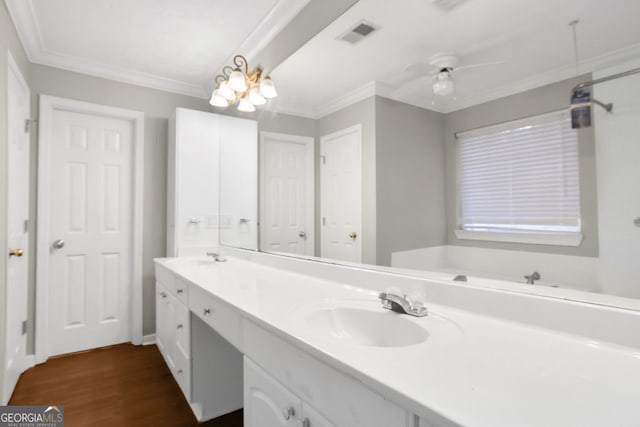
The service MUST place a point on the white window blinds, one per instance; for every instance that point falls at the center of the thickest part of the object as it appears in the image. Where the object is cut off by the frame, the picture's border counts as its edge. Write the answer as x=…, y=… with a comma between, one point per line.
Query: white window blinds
x=520, y=177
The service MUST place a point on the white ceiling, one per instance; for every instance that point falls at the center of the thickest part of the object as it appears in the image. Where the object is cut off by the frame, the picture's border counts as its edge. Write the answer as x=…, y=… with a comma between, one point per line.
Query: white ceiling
x=532, y=36
x=171, y=45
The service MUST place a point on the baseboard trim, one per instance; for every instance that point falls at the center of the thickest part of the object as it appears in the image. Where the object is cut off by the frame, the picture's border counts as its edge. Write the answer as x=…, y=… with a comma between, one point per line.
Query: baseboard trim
x=29, y=361
x=149, y=339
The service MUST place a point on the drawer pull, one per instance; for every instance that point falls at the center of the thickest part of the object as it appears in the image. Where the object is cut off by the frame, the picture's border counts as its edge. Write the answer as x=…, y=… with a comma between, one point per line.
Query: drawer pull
x=163, y=295
x=207, y=311
x=180, y=326
x=179, y=371
x=289, y=412
x=306, y=423
x=179, y=291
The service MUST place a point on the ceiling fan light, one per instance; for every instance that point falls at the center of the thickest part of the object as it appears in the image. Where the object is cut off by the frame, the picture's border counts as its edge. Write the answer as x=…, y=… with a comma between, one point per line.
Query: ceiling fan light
x=226, y=91
x=255, y=97
x=237, y=81
x=217, y=100
x=443, y=85
x=245, y=106
x=267, y=88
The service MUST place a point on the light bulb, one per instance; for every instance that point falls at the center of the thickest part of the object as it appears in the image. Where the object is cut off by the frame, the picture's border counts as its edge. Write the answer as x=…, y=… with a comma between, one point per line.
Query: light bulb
x=217, y=100
x=255, y=97
x=226, y=91
x=245, y=106
x=237, y=81
x=443, y=86
x=267, y=88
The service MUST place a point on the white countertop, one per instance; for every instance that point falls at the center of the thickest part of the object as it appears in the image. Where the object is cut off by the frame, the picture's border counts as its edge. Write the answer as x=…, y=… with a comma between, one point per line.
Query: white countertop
x=474, y=370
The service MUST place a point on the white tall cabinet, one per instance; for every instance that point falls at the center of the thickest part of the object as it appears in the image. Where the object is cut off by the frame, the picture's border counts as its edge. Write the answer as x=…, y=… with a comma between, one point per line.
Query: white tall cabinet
x=192, y=182
x=206, y=150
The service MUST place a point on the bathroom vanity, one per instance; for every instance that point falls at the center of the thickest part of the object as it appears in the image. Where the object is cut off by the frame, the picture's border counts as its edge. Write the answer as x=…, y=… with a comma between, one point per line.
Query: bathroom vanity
x=301, y=343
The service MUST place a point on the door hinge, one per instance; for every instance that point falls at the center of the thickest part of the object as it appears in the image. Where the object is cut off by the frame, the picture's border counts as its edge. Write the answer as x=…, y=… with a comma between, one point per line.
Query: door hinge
x=26, y=225
x=324, y=220
x=324, y=159
x=24, y=327
x=27, y=124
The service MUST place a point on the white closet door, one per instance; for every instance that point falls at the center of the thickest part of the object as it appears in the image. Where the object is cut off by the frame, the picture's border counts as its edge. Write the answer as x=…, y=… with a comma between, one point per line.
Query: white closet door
x=91, y=228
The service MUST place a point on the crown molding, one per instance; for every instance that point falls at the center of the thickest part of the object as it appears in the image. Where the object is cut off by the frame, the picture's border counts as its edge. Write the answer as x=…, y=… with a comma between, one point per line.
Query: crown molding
x=358, y=94
x=280, y=15
x=24, y=17
x=551, y=76
x=289, y=110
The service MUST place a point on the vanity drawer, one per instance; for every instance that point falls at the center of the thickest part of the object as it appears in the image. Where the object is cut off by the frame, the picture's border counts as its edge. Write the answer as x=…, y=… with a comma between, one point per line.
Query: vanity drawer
x=182, y=372
x=181, y=290
x=166, y=277
x=223, y=319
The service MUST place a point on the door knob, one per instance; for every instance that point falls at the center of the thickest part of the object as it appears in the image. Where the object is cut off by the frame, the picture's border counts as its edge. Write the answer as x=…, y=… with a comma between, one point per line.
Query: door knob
x=16, y=252
x=302, y=234
x=58, y=244
x=353, y=235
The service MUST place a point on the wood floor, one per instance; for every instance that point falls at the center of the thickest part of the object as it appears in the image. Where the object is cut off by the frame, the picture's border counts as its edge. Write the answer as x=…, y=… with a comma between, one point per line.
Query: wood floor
x=122, y=385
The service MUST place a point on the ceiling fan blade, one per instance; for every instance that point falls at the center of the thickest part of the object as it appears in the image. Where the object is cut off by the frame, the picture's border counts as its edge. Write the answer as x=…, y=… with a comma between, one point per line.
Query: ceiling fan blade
x=482, y=64
x=411, y=86
x=411, y=73
x=419, y=68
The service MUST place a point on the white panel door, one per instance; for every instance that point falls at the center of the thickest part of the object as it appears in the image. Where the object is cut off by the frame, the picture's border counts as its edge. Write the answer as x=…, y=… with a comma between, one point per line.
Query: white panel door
x=286, y=188
x=91, y=228
x=17, y=237
x=341, y=187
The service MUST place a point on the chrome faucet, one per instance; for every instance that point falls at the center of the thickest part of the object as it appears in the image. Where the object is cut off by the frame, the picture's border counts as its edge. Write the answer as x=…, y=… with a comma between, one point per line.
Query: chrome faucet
x=216, y=257
x=532, y=278
x=401, y=304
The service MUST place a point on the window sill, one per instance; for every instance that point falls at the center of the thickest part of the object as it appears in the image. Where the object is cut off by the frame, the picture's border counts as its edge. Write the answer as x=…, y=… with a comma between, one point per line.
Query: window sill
x=556, y=239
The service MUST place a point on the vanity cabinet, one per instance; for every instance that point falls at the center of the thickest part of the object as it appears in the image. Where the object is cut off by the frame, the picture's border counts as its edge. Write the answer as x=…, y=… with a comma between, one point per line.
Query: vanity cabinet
x=280, y=376
x=267, y=403
x=205, y=365
x=224, y=361
x=173, y=330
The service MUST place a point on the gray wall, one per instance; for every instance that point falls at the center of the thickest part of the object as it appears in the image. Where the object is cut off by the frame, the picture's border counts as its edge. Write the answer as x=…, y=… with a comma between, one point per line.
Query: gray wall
x=410, y=177
x=157, y=106
x=363, y=113
x=9, y=41
x=541, y=100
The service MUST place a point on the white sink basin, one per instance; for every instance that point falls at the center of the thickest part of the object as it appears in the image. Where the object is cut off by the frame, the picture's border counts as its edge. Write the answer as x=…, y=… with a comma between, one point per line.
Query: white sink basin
x=368, y=326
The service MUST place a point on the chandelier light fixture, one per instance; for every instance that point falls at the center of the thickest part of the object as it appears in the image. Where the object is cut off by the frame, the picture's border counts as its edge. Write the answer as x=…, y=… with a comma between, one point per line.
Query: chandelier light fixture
x=242, y=87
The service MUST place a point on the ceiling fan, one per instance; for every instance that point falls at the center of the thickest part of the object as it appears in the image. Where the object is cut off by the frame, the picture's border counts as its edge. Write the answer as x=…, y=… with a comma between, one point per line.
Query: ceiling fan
x=440, y=68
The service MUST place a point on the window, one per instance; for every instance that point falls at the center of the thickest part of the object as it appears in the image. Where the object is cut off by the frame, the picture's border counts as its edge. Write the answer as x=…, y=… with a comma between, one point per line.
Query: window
x=518, y=182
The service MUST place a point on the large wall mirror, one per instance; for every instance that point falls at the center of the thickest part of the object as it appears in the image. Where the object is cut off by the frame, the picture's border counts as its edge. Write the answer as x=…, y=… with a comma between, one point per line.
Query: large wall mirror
x=436, y=137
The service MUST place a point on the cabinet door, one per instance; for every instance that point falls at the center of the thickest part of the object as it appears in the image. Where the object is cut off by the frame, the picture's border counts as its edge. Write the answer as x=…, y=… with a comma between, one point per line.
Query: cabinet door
x=161, y=296
x=182, y=327
x=266, y=402
x=312, y=418
x=170, y=331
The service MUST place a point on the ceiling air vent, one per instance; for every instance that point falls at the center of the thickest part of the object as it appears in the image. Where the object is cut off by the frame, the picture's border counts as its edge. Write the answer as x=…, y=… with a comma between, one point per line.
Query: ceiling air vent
x=358, y=31
x=447, y=5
